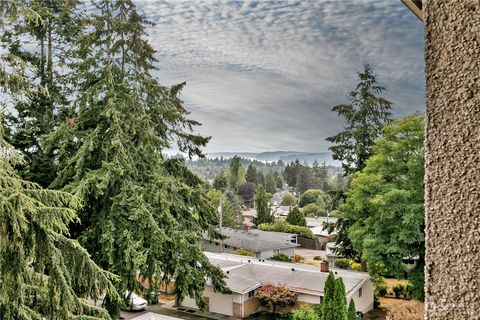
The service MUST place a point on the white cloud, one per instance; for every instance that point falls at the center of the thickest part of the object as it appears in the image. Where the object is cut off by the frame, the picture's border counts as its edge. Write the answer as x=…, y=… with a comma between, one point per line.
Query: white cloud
x=265, y=74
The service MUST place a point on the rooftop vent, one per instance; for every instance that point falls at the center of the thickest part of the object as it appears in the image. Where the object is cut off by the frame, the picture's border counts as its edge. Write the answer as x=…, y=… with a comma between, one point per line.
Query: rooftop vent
x=293, y=269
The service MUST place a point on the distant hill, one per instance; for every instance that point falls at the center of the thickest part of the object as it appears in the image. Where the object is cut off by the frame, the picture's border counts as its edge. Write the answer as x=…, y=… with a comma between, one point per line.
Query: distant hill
x=285, y=156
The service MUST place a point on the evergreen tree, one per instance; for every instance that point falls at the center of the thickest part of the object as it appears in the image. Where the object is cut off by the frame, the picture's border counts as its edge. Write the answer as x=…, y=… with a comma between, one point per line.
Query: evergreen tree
x=328, y=305
x=262, y=205
x=270, y=184
x=251, y=175
x=296, y=218
x=236, y=177
x=365, y=117
x=305, y=179
x=339, y=301
x=221, y=181
x=143, y=216
x=261, y=179
x=235, y=206
x=39, y=112
x=352, y=311
x=43, y=273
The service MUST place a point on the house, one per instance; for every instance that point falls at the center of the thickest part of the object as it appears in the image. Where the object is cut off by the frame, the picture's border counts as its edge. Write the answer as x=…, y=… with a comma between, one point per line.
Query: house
x=244, y=275
x=281, y=212
x=263, y=244
x=249, y=218
x=317, y=225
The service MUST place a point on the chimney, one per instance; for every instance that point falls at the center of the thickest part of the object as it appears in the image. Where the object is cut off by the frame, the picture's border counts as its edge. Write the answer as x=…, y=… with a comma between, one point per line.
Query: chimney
x=324, y=266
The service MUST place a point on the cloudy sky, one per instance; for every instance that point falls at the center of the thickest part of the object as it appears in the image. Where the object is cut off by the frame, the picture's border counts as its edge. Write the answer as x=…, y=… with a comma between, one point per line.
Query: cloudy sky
x=264, y=75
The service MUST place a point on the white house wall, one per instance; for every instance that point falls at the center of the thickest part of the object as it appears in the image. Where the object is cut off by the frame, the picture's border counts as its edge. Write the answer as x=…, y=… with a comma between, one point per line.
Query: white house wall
x=365, y=302
x=308, y=298
x=217, y=302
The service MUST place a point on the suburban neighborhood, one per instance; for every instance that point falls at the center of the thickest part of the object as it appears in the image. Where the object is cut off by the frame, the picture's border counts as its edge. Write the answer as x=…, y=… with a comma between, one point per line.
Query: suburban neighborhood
x=248, y=159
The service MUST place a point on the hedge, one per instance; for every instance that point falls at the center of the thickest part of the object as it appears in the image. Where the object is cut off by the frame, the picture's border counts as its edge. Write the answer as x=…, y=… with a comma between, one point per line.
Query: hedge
x=282, y=226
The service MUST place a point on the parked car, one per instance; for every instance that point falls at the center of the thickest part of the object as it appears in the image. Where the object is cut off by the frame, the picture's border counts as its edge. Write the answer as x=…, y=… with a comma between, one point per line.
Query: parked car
x=134, y=302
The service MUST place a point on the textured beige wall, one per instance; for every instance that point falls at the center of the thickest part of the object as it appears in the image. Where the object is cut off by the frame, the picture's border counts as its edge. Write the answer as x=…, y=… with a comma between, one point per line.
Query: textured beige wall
x=452, y=53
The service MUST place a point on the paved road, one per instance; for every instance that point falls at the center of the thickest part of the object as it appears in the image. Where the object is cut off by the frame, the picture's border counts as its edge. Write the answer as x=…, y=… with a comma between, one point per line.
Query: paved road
x=155, y=312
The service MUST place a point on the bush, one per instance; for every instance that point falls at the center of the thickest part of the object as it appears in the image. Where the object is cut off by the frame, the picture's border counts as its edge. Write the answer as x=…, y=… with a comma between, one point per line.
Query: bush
x=318, y=310
x=381, y=289
x=398, y=290
x=407, y=291
x=288, y=199
x=283, y=226
x=356, y=266
x=297, y=258
x=342, y=263
x=317, y=258
x=281, y=257
x=304, y=313
x=244, y=252
x=310, y=196
x=314, y=209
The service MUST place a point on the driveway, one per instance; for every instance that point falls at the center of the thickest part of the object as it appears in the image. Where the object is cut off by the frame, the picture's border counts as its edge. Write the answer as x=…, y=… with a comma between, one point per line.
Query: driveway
x=309, y=254
x=160, y=312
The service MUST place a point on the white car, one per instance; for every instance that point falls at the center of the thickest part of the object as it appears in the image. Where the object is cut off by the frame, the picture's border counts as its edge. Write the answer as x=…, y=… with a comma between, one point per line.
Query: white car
x=135, y=302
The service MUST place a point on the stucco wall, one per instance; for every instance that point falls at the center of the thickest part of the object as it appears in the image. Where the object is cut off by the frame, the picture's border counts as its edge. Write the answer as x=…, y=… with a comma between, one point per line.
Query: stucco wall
x=452, y=200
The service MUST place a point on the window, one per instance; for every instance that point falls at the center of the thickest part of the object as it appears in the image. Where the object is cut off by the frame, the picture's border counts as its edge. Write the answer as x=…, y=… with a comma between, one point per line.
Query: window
x=226, y=246
x=360, y=292
x=251, y=294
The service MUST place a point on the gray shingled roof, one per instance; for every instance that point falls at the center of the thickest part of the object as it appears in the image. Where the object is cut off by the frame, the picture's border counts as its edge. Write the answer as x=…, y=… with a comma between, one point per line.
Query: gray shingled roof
x=256, y=240
x=243, y=276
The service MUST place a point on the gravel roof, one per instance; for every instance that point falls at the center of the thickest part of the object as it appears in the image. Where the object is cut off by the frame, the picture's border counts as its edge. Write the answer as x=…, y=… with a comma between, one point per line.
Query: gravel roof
x=243, y=276
x=256, y=240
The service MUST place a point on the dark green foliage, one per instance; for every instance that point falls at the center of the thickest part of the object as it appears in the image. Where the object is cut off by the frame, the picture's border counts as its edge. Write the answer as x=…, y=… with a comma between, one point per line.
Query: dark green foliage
x=221, y=181
x=318, y=310
x=251, y=175
x=385, y=202
x=295, y=217
x=42, y=109
x=328, y=305
x=340, y=301
x=381, y=289
x=318, y=258
x=364, y=117
x=270, y=184
x=305, y=312
x=352, y=311
x=246, y=191
x=281, y=257
x=283, y=226
x=342, y=263
x=304, y=179
x=264, y=214
x=314, y=210
x=43, y=273
x=311, y=196
x=237, y=174
x=291, y=172
x=398, y=289
x=143, y=216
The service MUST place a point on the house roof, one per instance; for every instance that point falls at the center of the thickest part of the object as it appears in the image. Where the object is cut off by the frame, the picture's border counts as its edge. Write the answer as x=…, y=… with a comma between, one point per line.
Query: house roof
x=316, y=225
x=415, y=6
x=255, y=240
x=244, y=274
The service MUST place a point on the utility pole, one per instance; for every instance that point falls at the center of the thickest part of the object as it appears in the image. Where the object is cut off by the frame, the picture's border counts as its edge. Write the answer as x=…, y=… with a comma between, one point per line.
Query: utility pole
x=220, y=217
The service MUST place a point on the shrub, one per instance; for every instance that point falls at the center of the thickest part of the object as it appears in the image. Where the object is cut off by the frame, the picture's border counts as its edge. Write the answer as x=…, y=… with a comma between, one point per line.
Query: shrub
x=317, y=258
x=304, y=313
x=281, y=257
x=283, y=226
x=356, y=266
x=274, y=297
x=318, y=310
x=244, y=252
x=381, y=289
x=342, y=263
x=288, y=199
x=398, y=290
x=310, y=196
x=407, y=291
x=297, y=218
x=297, y=258
x=314, y=209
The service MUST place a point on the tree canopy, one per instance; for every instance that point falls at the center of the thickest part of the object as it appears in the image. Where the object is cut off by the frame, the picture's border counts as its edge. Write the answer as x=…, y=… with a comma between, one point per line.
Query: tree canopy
x=262, y=204
x=385, y=203
x=296, y=217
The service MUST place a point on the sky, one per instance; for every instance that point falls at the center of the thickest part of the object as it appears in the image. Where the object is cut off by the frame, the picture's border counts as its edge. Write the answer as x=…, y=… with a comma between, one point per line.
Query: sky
x=264, y=75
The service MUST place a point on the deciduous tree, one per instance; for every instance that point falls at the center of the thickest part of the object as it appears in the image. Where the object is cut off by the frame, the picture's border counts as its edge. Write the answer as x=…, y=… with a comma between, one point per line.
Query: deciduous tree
x=274, y=297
